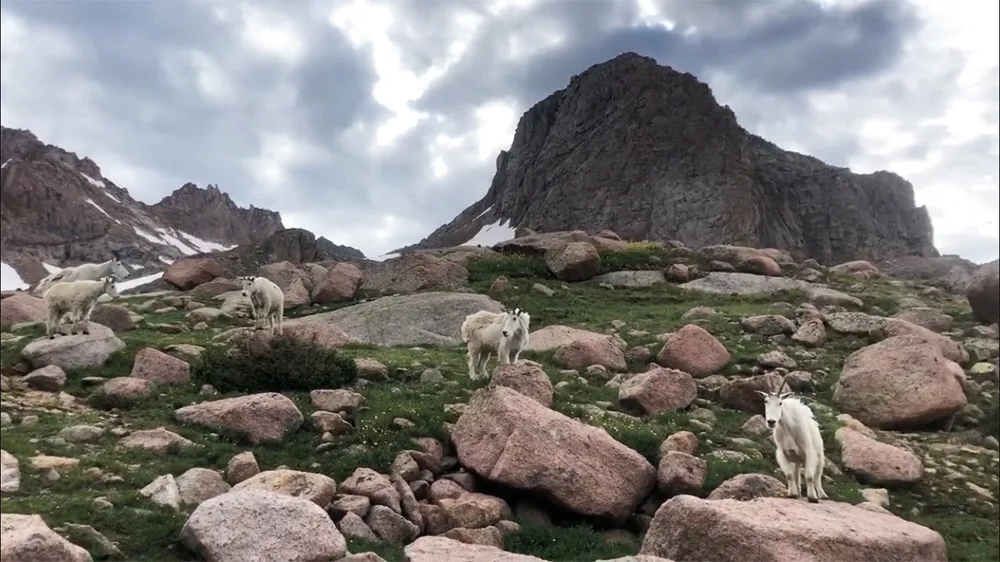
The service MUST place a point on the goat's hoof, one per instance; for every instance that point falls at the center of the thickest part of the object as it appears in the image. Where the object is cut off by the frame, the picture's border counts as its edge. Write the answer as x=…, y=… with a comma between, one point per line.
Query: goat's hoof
x=86, y=332
x=52, y=337
x=813, y=500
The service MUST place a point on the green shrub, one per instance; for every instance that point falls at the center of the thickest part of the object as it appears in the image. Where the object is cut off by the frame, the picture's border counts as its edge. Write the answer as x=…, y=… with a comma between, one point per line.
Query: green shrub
x=638, y=256
x=287, y=364
x=510, y=265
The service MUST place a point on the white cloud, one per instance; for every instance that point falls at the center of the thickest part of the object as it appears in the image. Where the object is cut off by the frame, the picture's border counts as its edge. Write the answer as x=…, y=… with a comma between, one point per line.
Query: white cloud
x=947, y=145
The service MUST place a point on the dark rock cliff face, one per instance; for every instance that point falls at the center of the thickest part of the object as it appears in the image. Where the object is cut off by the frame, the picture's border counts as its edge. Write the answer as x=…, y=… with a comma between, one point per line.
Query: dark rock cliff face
x=647, y=152
x=210, y=214
x=295, y=245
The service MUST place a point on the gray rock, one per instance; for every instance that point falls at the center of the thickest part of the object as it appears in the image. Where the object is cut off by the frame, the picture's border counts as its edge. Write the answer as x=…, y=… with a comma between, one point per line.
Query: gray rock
x=723, y=282
x=433, y=318
x=634, y=279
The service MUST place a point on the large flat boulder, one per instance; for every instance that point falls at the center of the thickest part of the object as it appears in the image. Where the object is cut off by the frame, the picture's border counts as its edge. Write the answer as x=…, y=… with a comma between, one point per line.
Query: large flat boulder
x=511, y=439
x=71, y=352
x=726, y=282
x=433, y=318
x=690, y=529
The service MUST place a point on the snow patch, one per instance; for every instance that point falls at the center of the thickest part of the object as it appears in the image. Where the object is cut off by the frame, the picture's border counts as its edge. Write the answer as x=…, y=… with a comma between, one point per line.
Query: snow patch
x=492, y=234
x=192, y=246
x=384, y=257
x=136, y=266
x=172, y=240
x=9, y=278
x=484, y=212
x=5, y=163
x=138, y=281
x=148, y=236
x=51, y=268
x=98, y=207
x=92, y=181
x=167, y=261
x=204, y=245
x=112, y=197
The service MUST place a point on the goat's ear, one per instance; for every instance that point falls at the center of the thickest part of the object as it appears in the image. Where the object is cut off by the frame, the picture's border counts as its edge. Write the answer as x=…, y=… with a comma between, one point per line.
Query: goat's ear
x=784, y=395
x=762, y=393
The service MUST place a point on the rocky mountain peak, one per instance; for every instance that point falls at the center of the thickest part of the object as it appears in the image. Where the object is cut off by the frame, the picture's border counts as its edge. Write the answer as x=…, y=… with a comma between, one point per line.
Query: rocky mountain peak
x=646, y=151
x=211, y=214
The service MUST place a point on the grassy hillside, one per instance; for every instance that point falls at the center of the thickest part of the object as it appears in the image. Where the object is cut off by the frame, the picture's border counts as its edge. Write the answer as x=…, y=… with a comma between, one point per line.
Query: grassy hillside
x=944, y=500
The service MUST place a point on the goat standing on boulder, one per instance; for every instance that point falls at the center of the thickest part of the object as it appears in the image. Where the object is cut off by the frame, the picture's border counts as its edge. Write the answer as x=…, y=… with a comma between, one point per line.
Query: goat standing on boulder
x=267, y=302
x=798, y=442
x=505, y=333
x=76, y=298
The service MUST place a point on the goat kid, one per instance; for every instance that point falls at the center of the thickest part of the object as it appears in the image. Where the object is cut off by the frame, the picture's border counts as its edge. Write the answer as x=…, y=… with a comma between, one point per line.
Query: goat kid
x=798, y=443
x=76, y=299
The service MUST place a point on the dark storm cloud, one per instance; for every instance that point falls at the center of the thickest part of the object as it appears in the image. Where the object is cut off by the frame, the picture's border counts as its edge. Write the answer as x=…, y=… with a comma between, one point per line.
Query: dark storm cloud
x=773, y=51
x=798, y=45
x=129, y=47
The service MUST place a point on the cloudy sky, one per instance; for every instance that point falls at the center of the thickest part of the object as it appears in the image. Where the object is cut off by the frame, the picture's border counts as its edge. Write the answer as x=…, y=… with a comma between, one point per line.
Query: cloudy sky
x=373, y=123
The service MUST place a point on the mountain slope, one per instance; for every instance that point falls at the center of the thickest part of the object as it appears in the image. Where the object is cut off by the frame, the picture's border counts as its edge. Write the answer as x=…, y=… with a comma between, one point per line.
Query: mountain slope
x=197, y=211
x=57, y=209
x=647, y=152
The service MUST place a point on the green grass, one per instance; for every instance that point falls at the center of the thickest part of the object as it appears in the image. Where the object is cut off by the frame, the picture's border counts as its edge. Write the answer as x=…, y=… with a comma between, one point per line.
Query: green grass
x=146, y=531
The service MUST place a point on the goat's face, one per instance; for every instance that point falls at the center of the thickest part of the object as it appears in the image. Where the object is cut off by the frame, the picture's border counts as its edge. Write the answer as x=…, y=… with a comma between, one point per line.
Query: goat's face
x=118, y=269
x=111, y=287
x=247, y=282
x=513, y=321
x=772, y=406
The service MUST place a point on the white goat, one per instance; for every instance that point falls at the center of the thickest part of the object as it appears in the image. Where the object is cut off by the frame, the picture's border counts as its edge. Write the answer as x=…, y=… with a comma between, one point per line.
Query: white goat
x=267, y=302
x=798, y=442
x=77, y=299
x=90, y=271
x=505, y=333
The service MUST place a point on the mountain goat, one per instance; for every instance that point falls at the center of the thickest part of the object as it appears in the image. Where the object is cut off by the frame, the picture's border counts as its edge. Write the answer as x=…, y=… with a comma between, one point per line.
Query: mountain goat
x=77, y=299
x=798, y=442
x=505, y=333
x=89, y=271
x=267, y=302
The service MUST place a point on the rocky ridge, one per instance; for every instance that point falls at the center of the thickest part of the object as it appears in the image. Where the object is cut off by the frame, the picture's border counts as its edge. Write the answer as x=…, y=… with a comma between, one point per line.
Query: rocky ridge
x=646, y=151
x=58, y=209
x=636, y=415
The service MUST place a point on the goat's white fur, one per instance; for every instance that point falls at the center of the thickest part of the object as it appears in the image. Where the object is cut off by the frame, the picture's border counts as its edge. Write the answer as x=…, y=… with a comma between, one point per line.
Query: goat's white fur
x=504, y=333
x=798, y=443
x=85, y=271
x=77, y=299
x=267, y=302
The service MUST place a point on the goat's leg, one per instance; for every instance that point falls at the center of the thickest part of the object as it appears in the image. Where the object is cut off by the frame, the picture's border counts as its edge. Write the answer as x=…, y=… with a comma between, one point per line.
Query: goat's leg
x=797, y=485
x=503, y=352
x=819, y=480
x=810, y=473
x=52, y=323
x=484, y=359
x=86, y=319
x=473, y=352
x=74, y=319
x=281, y=319
x=791, y=473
